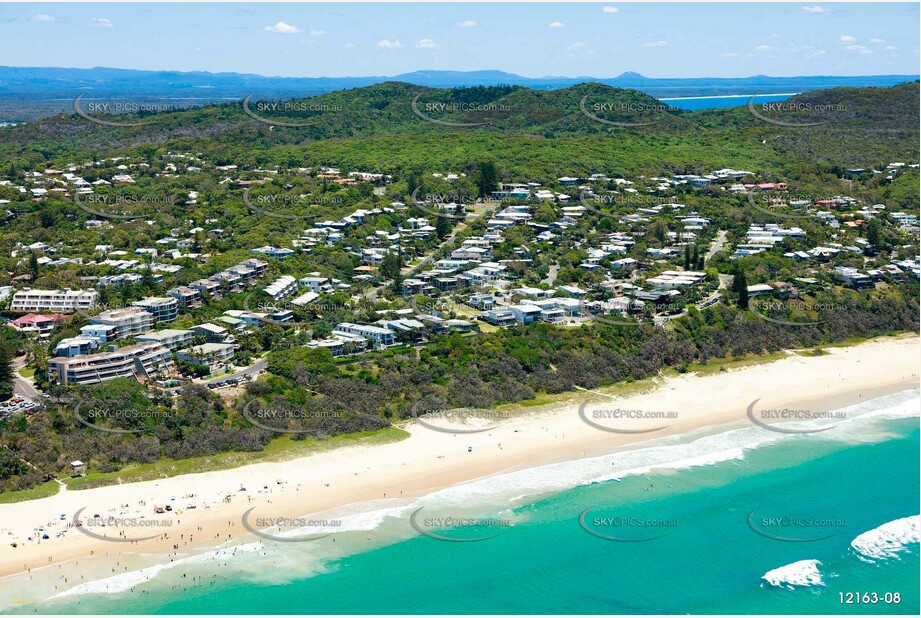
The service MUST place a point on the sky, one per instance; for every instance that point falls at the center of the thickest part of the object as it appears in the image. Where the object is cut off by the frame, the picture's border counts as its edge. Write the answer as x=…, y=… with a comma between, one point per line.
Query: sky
x=534, y=40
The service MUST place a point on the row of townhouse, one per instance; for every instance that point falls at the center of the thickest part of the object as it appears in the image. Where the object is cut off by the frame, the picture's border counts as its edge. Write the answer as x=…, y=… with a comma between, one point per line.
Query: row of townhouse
x=349, y=338
x=529, y=310
x=233, y=279
x=281, y=288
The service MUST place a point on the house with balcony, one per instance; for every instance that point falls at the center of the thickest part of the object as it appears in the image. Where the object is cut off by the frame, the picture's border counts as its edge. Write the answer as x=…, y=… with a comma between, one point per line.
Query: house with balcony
x=162, y=308
x=144, y=361
x=128, y=322
x=379, y=337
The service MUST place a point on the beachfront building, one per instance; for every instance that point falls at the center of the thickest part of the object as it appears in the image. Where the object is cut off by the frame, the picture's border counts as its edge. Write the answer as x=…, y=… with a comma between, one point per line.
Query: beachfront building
x=143, y=361
x=61, y=301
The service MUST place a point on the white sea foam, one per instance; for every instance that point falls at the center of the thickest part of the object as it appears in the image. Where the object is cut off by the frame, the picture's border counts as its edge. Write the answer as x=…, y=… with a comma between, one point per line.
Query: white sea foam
x=127, y=581
x=801, y=573
x=888, y=540
x=703, y=447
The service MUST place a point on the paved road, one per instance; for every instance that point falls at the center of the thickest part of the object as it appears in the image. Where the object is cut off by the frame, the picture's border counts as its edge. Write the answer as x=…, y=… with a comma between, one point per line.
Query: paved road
x=716, y=245
x=409, y=271
x=551, y=276
x=253, y=370
x=461, y=226
x=21, y=386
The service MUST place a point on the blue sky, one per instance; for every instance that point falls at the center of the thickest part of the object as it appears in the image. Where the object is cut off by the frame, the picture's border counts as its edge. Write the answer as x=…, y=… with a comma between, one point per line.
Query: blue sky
x=598, y=39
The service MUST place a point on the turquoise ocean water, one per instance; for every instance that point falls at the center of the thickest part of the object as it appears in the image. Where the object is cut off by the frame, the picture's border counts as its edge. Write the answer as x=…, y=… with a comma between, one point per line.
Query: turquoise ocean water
x=723, y=101
x=699, y=521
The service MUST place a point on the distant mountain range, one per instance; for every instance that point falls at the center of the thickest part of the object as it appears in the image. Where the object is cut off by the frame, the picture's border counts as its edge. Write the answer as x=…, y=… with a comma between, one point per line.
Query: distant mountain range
x=30, y=81
x=50, y=89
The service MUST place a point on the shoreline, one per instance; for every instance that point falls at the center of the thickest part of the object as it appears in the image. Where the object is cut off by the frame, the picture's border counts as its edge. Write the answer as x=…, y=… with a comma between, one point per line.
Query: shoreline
x=428, y=461
x=732, y=96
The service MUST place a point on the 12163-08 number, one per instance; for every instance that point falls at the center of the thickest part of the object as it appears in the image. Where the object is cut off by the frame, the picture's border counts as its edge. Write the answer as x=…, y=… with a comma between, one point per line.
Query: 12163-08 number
x=869, y=598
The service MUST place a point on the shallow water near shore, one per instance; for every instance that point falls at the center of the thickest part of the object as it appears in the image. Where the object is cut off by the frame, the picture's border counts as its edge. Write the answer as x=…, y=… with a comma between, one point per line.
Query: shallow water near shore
x=694, y=518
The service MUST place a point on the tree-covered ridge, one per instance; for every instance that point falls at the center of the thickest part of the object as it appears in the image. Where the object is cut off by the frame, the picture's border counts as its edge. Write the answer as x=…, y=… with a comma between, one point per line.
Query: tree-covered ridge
x=864, y=125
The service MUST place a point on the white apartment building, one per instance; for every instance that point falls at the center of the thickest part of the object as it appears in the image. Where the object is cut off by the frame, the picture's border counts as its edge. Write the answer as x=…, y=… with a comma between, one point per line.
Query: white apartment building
x=380, y=337
x=59, y=301
x=162, y=308
x=129, y=322
x=142, y=361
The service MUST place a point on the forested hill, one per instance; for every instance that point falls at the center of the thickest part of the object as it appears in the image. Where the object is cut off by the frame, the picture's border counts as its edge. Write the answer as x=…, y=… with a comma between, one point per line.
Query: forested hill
x=384, y=127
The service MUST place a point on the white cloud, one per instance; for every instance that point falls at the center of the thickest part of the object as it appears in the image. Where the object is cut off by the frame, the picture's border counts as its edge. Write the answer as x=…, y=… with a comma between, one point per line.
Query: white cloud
x=281, y=28
x=659, y=43
x=467, y=24
x=349, y=45
x=43, y=17
x=860, y=49
x=427, y=44
x=764, y=48
x=557, y=24
x=609, y=9
x=317, y=32
x=388, y=44
x=846, y=38
x=890, y=48
x=576, y=45
x=877, y=41
x=817, y=54
x=816, y=9
x=99, y=22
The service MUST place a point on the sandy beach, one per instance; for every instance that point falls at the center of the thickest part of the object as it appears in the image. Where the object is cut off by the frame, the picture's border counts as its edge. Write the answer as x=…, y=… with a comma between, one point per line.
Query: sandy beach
x=428, y=460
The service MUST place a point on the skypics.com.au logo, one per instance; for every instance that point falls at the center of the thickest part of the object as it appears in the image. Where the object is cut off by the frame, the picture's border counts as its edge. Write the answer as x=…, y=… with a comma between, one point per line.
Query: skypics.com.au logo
x=289, y=207
x=784, y=205
x=117, y=419
x=795, y=113
x=604, y=416
x=625, y=113
x=794, y=528
x=468, y=525
x=283, y=529
x=449, y=205
x=629, y=202
x=114, y=108
x=772, y=418
x=460, y=420
x=293, y=419
x=458, y=114
x=623, y=529
x=123, y=205
x=287, y=113
x=120, y=529
x=780, y=311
